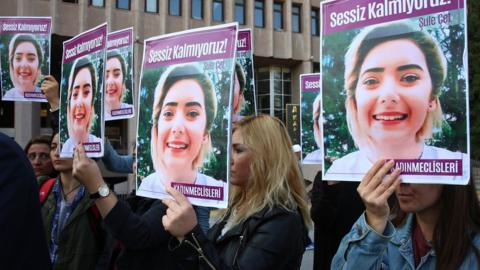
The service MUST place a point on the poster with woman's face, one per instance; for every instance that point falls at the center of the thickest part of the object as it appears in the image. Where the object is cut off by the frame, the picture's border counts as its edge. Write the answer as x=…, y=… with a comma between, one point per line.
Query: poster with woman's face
x=119, y=78
x=395, y=86
x=244, y=103
x=183, y=135
x=312, y=143
x=81, y=92
x=24, y=57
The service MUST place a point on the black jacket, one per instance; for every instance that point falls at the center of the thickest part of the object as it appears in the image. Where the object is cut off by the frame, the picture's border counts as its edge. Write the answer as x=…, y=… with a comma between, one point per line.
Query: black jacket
x=269, y=239
x=334, y=210
x=143, y=236
x=22, y=238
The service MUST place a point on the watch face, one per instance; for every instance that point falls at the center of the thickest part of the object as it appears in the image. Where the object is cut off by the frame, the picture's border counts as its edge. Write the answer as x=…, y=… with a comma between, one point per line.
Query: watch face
x=104, y=191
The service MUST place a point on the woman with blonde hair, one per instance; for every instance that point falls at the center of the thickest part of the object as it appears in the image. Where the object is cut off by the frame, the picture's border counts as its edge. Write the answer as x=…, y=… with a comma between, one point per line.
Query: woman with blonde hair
x=265, y=226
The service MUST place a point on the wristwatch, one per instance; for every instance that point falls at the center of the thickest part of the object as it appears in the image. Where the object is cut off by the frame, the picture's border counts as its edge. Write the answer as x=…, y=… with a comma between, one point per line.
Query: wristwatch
x=103, y=191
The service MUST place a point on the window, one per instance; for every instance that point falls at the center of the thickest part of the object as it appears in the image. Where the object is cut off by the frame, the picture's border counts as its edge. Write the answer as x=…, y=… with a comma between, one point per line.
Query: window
x=175, y=7
x=278, y=16
x=197, y=9
x=217, y=10
x=123, y=4
x=259, y=13
x=315, y=22
x=151, y=6
x=274, y=90
x=97, y=3
x=70, y=1
x=296, y=25
x=240, y=11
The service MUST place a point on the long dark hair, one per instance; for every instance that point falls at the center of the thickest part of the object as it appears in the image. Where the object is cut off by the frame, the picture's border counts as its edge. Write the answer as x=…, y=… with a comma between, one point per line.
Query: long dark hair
x=457, y=225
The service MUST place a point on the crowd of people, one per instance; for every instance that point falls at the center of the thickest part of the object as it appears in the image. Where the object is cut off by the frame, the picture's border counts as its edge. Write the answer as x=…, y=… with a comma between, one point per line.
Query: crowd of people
x=61, y=213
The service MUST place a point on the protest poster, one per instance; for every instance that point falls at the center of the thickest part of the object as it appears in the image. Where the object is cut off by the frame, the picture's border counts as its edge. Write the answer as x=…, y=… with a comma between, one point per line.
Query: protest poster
x=244, y=86
x=119, y=80
x=81, y=92
x=395, y=86
x=184, y=127
x=24, y=57
x=310, y=96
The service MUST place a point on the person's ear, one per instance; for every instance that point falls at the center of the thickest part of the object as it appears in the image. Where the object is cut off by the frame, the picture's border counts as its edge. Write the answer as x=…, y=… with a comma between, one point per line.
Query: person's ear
x=432, y=104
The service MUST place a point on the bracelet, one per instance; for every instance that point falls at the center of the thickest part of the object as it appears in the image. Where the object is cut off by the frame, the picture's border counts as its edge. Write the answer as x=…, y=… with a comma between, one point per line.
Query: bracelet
x=54, y=110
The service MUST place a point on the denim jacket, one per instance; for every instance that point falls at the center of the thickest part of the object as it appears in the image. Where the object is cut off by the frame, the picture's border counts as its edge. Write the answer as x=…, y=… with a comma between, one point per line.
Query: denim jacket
x=363, y=248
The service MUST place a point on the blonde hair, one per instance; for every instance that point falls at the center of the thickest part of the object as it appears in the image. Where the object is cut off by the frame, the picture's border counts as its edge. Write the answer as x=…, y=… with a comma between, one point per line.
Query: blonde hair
x=275, y=178
x=375, y=35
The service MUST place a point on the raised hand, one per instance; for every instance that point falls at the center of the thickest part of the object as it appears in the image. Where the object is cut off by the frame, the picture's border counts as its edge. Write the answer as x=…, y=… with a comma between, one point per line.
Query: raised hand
x=375, y=189
x=180, y=218
x=50, y=89
x=86, y=170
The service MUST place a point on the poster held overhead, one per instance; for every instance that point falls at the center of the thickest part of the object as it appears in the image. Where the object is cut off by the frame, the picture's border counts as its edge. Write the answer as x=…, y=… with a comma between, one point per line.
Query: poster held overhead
x=399, y=92
x=119, y=76
x=312, y=143
x=24, y=57
x=184, y=127
x=244, y=102
x=81, y=92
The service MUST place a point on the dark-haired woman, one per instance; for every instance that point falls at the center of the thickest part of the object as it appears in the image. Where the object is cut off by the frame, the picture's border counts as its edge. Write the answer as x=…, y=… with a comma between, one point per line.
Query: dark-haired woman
x=436, y=226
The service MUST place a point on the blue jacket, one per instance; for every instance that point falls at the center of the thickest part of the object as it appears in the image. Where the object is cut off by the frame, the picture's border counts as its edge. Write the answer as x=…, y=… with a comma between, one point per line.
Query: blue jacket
x=363, y=248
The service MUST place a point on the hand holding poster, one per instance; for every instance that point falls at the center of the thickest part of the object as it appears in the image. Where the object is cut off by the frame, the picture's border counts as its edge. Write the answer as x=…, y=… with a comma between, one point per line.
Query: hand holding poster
x=244, y=86
x=183, y=134
x=81, y=92
x=119, y=75
x=25, y=57
x=406, y=87
x=312, y=143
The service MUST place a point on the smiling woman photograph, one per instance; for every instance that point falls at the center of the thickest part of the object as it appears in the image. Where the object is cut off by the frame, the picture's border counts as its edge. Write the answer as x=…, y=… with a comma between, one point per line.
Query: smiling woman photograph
x=392, y=101
x=115, y=85
x=25, y=61
x=184, y=108
x=82, y=86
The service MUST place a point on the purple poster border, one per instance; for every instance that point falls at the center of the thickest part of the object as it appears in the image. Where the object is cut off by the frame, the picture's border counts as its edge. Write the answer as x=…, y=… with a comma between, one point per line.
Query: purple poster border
x=88, y=42
x=119, y=39
x=25, y=25
x=310, y=82
x=218, y=42
x=342, y=15
x=244, y=40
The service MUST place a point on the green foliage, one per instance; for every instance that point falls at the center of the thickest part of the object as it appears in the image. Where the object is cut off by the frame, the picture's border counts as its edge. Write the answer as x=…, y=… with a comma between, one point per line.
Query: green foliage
x=127, y=53
x=308, y=139
x=474, y=76
x=245, y=60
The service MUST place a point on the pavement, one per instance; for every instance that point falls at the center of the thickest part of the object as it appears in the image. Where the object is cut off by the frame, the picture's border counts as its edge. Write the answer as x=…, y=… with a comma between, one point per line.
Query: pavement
x=307, y=261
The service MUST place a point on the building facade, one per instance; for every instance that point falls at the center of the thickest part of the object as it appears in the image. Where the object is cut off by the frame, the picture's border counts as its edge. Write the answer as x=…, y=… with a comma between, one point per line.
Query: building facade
x=285, y=35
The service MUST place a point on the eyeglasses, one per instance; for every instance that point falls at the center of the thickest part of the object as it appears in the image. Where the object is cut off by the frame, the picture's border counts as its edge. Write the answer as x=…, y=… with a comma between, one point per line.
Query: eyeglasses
x=41, y=156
